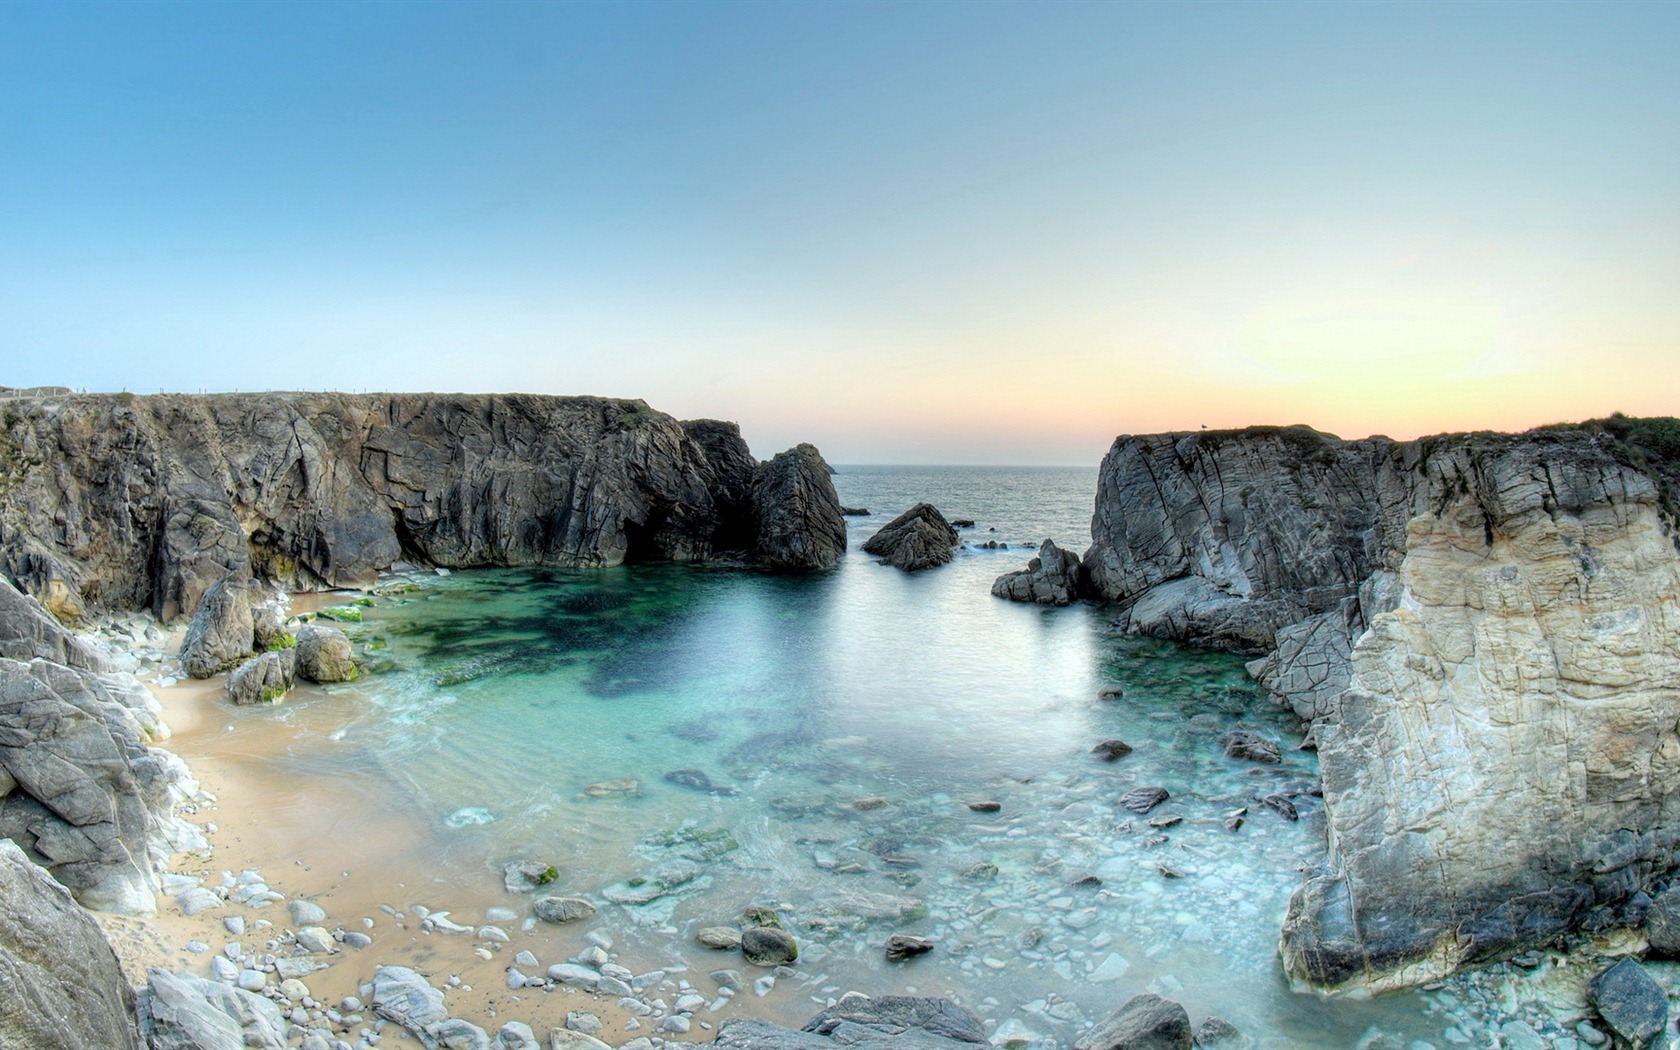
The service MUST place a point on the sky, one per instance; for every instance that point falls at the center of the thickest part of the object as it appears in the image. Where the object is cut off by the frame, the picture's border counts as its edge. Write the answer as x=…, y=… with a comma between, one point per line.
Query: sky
x=906, y=232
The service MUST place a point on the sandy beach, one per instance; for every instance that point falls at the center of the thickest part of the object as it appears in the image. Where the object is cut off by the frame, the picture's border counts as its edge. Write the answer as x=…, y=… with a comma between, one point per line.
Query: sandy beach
x=343, y=845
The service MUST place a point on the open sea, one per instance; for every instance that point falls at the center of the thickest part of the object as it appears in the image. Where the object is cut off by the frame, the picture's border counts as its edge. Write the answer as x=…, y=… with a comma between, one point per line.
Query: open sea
x=536, y=715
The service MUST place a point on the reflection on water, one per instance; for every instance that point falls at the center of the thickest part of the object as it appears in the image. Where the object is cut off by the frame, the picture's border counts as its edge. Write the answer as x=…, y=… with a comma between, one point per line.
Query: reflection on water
x=845, y=723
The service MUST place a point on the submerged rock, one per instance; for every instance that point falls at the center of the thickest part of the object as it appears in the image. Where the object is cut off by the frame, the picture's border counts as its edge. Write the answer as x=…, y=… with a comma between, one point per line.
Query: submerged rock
x=901, y=946
x=697, y=780
x=888, y=1022
x=920, y=538
x=1145, y=1022
x=1250, y=746
x=1143, y=799
x=768, y=946
x=1051, y=578
x=1110, y=750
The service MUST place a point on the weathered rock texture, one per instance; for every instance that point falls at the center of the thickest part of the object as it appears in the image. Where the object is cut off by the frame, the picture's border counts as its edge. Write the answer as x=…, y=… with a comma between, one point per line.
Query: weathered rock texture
x=797, y=512
x=80, y=790
x=1052, y=578
x=1485, y=632
x=148, y=501
x=181, y=1011
x=920, y=538
x=60, y=985
x=887, y=1022
x=27, y=632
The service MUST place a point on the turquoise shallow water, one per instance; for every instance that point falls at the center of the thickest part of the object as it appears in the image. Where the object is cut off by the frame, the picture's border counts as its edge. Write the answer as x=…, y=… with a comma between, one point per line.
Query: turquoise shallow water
x=511, y=693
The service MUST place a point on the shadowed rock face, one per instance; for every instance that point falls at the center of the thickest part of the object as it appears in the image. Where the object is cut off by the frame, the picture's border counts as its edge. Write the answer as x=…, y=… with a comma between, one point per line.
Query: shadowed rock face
x=887, y=1022
x=148, y=501
x=797, y=512
x=1484, y=631
x=63, y=987
x=920, y=538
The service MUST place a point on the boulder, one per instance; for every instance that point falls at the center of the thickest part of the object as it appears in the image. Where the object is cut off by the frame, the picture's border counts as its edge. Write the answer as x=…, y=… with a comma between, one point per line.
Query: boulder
x=181, y=1011
x=887, y=1022
x=1249, y=746
x=920, y=538
x=264, y=680
x=562, y=909
x=719, y=938
x=62, y=986
x=1145, y=1022
x=797, y=514
x=403, y=996
x=1051, y=578
x=768, y=946
x=223, y=630
x=1633, y=1004
x=324, y=654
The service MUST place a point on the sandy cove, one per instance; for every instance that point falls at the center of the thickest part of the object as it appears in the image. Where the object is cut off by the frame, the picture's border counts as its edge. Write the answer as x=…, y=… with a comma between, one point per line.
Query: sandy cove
x=360, y=859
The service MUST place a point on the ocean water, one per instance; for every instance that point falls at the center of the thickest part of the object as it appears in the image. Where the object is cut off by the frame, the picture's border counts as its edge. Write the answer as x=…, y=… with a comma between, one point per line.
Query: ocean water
x=535, y=715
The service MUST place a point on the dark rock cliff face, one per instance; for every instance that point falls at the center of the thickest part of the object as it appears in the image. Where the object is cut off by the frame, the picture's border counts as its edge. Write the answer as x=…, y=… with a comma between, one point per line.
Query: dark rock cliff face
x=147, y=501
x=1484, y=631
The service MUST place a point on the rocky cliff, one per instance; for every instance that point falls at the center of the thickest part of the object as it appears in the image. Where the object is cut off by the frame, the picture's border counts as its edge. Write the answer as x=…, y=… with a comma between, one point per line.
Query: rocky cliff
x=145, y=502
x=1484, y=631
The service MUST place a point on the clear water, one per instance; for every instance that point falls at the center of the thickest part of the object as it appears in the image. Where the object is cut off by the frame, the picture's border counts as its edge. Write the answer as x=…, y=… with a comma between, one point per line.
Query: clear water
x=511, y=693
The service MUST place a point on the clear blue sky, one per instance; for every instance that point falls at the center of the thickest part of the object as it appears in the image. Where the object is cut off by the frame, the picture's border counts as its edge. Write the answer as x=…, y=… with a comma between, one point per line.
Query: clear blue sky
x=909, y=232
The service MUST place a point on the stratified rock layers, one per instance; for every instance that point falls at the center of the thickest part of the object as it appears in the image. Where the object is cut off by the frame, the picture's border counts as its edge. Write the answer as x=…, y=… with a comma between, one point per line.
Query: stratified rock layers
x=146, y=502
x=1484, y=631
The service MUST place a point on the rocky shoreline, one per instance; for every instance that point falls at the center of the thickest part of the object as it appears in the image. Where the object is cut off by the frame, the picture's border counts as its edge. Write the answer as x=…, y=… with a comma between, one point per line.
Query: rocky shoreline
x=1439, y=613
x=1480, y=631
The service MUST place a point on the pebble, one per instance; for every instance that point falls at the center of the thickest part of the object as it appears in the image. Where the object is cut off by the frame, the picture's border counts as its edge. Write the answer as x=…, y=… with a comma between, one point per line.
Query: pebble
x=525, y=958
x=234, y=924
x=252, y=980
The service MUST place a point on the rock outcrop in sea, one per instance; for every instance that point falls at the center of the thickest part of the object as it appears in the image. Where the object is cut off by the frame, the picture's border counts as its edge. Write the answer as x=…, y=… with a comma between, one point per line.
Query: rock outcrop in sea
x=920, y=538
x=126, y=501
x=1051, y=578
x=1483, y=631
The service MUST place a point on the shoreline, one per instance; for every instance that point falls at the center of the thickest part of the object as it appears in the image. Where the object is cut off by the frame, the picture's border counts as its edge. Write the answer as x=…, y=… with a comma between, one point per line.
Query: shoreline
x=258, y=822
x=258, y=819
